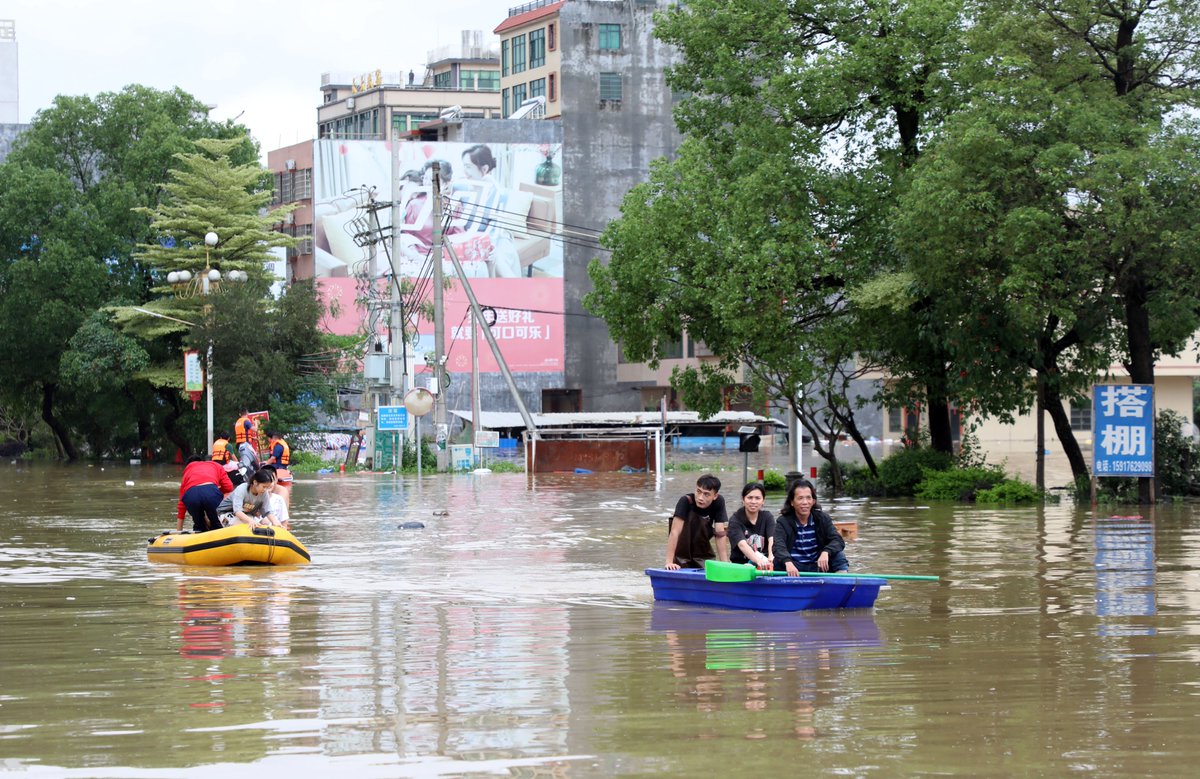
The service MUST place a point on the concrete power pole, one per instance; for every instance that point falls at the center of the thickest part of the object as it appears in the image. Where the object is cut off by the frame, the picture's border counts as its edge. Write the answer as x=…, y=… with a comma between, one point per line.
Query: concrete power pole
x=399, y=365
x=439, y=325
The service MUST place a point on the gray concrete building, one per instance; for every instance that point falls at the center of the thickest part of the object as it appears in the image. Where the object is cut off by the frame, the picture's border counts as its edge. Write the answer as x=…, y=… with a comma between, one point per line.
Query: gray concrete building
x=616, y=117
x=9, y=74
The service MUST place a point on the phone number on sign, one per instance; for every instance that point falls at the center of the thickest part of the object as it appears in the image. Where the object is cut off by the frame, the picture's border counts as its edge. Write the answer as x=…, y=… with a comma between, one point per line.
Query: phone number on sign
x=1124, y=467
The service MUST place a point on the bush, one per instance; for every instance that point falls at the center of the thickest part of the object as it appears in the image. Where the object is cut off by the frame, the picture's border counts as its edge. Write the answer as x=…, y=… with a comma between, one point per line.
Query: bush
x=505, y=466
x=309, y=462
x=958, y=484
x=1009, y=491
x=774, y=481
x=903, y=471
x=857, y=480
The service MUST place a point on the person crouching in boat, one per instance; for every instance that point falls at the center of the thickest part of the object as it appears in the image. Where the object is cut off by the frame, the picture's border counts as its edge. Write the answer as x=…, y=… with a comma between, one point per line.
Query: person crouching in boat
x=752, y=530
x=205, y=485
x=805, y=538
x=249, y=503
x=279, y=506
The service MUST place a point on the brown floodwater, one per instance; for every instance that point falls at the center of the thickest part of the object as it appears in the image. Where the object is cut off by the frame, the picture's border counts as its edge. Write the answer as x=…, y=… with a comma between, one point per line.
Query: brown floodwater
x=517, y=635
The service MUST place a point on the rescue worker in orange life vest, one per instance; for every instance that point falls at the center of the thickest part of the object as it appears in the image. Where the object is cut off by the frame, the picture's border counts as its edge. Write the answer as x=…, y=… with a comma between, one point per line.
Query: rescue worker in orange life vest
x=280, y=456
x=242, y=428
x=222, y=453
x=220, y=450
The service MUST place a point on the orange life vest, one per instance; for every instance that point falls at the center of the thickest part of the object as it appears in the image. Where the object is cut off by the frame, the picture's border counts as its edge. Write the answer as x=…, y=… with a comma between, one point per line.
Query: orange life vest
x=239, y=429
x=220, y=451
x=286, y=457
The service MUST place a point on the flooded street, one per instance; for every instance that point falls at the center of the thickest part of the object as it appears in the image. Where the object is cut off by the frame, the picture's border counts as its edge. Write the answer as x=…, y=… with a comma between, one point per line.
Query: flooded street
x=516, y=635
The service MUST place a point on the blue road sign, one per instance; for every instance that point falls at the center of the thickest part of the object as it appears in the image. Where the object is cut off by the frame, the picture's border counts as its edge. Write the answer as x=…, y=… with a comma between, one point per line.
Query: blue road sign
x=1123, y=430
x=393, y=418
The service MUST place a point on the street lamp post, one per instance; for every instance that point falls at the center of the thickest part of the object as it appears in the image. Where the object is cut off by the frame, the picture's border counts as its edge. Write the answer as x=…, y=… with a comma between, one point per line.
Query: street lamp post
x=187, y=286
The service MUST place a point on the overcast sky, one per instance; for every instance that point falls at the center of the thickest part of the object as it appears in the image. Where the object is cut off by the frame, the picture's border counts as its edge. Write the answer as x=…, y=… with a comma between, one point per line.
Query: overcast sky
x=261, y=57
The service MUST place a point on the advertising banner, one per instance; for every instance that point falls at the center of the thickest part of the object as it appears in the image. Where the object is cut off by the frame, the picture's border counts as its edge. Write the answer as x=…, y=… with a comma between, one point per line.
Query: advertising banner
x=504, y=203
x=504, y=200
x=1123, y=430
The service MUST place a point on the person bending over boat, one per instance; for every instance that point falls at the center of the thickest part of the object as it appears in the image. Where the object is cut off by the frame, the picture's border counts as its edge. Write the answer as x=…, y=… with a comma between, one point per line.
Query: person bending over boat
x=249, y=503
x=698, y=518
x=751, y=530
x=248, y=461
x=805, y=538
x=205, y=484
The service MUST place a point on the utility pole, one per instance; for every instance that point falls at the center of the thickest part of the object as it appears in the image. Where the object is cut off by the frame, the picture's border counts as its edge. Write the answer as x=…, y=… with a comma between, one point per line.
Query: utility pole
x=398, y=357
x=475, y=395
x=491, y=339
x=439, y=324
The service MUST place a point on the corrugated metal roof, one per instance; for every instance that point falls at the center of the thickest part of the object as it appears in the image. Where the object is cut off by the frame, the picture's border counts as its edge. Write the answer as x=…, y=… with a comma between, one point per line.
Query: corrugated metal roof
x=498, y=420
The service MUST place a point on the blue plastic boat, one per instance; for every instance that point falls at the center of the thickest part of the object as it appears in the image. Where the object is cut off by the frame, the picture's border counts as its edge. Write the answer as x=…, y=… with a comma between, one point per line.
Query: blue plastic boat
x=766, y=593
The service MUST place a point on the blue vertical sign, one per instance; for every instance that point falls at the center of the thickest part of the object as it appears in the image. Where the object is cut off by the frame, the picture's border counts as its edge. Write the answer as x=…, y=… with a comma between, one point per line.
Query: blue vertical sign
x=1123, y=430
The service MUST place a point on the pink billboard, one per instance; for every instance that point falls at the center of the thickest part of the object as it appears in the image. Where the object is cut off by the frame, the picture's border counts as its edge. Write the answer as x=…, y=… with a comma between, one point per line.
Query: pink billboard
x=526, y=317
x=501, y=204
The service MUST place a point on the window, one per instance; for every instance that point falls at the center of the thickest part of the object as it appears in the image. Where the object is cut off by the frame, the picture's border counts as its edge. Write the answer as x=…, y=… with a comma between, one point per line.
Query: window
x=895, y=418
x=482, y=80
x=553, y=42
x=1081, y=417
x=537, y=88
x=303, y=184
x=518, y=96
x=518, y=54
x=504, y=112
x=442, y=80
x=537, y=48
x=553, y=87
x=610, y=87
x=504, y=58
x=610, y=37
x=305, y=234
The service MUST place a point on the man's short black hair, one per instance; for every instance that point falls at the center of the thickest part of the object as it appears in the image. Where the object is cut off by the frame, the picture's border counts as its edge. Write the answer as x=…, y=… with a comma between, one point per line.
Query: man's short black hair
x=709, y=482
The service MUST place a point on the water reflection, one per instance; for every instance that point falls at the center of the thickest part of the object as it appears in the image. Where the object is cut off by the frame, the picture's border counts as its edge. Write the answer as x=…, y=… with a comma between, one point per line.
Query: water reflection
x=1125, y=570
x=762, y=661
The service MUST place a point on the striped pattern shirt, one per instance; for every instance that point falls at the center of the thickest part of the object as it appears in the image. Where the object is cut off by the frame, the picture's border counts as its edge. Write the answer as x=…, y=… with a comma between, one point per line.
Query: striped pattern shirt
x=804, y=550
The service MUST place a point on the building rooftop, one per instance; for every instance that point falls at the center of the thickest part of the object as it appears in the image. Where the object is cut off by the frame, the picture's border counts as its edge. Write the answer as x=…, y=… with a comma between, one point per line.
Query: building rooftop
x=530, y=12
x=499, y=420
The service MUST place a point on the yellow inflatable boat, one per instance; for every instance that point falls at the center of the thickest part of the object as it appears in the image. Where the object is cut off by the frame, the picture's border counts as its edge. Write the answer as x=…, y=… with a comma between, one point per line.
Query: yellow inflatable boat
x=236, y=545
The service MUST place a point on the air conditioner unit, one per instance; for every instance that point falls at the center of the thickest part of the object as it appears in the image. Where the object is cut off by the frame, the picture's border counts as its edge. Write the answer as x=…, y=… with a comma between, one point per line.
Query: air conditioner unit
x=290, y=164
x=350, y=104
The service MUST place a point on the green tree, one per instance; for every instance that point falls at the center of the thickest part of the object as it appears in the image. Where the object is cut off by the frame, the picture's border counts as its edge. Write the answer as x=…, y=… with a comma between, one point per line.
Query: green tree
x=802, y=122
x=258, y=341
x=67, y=232
x=1058, y=208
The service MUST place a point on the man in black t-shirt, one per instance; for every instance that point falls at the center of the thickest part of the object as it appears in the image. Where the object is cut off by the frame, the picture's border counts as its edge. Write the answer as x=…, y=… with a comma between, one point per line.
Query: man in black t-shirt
x=698, y=518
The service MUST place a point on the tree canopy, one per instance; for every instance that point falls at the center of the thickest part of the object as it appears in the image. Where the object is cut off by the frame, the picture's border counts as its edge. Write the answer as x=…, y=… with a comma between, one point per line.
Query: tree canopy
x=99, y=197
x=991, y=202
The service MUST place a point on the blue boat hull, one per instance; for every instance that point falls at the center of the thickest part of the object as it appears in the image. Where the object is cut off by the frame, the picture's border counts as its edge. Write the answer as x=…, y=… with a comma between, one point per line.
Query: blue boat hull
x=766, y=593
